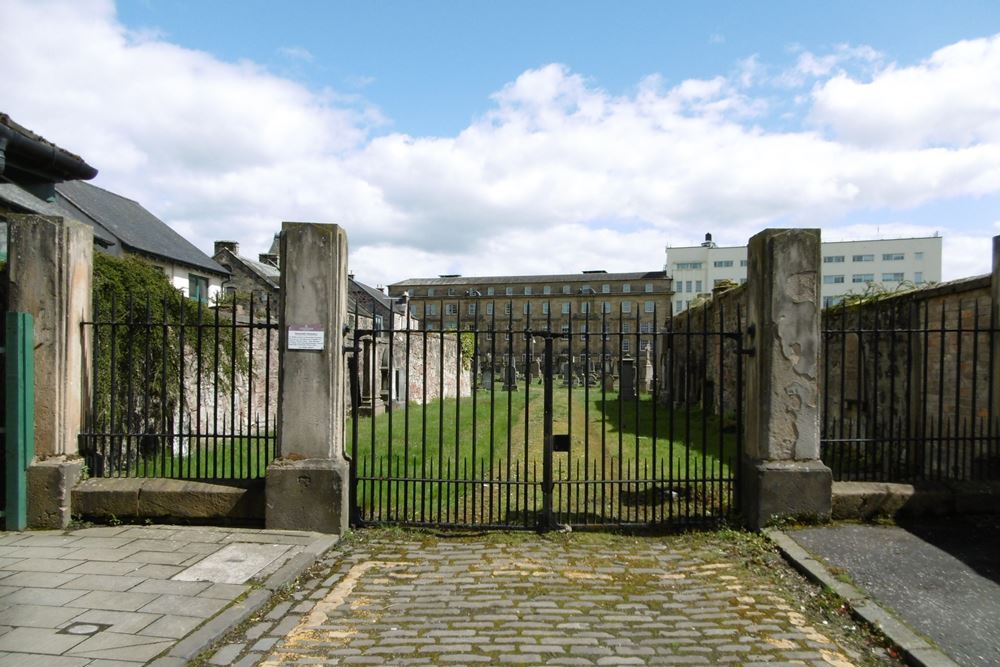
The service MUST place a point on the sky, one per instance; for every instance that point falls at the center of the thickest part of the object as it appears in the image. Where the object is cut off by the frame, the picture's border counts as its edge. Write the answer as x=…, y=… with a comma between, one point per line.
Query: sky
x=525, y=137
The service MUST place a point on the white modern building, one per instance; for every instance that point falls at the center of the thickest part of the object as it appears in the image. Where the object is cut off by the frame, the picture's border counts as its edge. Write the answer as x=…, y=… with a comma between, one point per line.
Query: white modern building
x=848, y=267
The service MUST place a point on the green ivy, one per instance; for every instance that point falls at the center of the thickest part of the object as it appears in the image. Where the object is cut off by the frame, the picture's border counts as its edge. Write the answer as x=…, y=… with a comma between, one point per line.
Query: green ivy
x=138, y=362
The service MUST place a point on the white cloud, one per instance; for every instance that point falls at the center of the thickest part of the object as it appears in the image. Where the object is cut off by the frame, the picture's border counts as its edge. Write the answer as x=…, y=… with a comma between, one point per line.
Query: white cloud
x=951, y=99
x=558, y=175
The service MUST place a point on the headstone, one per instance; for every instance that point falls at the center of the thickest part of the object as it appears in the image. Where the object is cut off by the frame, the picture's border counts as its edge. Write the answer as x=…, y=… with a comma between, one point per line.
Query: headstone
x=510, y=376
x=627, y=379
x=646, y=372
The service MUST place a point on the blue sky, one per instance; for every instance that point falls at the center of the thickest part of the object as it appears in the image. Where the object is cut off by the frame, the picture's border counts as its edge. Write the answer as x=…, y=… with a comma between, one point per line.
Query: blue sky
x=431, y=66
x=485, y=138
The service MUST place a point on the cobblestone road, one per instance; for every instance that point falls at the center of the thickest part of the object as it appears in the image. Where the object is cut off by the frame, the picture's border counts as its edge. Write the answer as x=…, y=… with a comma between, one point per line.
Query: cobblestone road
x=412, y=598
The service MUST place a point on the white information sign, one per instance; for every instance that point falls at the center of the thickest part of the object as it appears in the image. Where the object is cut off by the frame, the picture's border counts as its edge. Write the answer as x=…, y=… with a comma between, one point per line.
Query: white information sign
x=306, y=337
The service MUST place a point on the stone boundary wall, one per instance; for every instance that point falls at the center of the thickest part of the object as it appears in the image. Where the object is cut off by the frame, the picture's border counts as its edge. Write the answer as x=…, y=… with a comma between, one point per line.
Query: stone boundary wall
x=903, y=380
x=696, y=363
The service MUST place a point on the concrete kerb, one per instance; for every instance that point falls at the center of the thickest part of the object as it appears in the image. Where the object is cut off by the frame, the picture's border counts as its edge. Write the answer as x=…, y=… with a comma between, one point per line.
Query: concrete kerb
x=915, y=649
x=217, y=627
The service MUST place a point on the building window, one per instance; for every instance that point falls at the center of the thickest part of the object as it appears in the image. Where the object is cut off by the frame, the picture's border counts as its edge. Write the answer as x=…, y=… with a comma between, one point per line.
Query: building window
x=687, y=266
x=722, y=263
x=626, y=327
x=892, y=257
x=644, y=345
x=490, y=291
x=565, y=307
x=678, y=306
x=626, y=306
x=919, y=255
x=566, y=289
x=527, y=291
x=649, y=306
x=697, y=286
x=451, y=291
x=607, y=306
x=413, y=309
x=688, y=288
x=527, y=308
x=895, y=277
x=564, y=328
x=430, y=291
x=450, y=309
x=508, y=291
x=547, y=289
x=829, y=301
x=429, y=326
x=506, y=308
x=744, y=262
x=626, y=288
x=833, y=259
x=472, y=309
x=649, y=287
x=626, y=345
x=605, y=289
x=198, y=287
x=450, y=324
x=489, y=308
x=378, y=323
x=645, y=327
x=833, y=280
x=584, y=307
x=918, y=277
x=863, y=278
x=863, y=258
x=545, y=308
x=432, y=308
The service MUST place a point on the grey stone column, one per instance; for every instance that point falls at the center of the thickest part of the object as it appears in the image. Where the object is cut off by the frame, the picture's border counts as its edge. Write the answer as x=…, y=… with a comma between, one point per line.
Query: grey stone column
x=50, y=263
x=782, y=473
x=308, y=486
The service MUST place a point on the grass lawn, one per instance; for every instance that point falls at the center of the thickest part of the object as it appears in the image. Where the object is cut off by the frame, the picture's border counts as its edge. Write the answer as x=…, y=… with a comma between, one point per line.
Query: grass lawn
x=206, y=458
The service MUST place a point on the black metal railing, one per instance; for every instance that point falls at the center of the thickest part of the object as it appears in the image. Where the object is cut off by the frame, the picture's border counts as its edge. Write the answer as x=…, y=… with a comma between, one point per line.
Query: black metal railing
x=621, y=420
x=909, y=391
x=182, y=389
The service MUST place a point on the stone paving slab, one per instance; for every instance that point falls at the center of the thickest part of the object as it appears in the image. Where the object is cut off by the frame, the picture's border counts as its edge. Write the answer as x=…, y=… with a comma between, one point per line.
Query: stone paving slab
x=414, y=598
x=122, y=596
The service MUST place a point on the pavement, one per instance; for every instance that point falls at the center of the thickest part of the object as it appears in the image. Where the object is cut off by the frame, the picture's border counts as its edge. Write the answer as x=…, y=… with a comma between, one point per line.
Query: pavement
x=131, y=595
x=394, y=597
x=933, y=583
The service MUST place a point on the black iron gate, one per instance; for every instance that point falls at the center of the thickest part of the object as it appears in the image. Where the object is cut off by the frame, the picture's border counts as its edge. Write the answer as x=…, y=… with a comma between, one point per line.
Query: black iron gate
x=596, y=421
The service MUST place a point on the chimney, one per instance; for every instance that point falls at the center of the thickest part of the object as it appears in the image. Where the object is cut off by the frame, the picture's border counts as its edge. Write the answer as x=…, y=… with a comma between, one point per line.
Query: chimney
x=268, y=258
x=231, y=246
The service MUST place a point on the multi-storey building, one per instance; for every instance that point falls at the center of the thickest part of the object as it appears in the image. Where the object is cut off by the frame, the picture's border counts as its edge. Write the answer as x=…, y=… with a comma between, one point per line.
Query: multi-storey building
x=847, y=267
x=579, y=303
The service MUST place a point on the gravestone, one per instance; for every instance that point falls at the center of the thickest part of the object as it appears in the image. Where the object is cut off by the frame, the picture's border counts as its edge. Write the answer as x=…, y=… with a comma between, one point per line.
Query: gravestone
x=627, y=379
x=646, y=372
x=510, y=376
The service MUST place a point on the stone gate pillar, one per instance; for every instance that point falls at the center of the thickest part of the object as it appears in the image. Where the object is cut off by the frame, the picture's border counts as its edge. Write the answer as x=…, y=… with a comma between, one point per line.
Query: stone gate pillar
x=783, y=475
x=308, y=486
x=50, y=262
x=995, y=320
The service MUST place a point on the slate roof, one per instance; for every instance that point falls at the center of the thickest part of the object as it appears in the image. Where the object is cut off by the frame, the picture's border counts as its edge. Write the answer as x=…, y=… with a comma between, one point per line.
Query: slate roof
x=25, y=202
x=135, y=228
x=266, y=272
x=509, y=280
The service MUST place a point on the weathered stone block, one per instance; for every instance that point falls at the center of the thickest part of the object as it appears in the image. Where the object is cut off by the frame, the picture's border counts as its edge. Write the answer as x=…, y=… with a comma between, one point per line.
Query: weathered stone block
x=308, y=494
x=50, y=483
x=160, y=498
x=785, y=489
x=102, y=498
